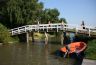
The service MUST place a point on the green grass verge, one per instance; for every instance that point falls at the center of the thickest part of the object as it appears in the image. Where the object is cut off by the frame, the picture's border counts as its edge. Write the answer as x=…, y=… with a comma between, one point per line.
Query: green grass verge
x=55, y=39
x=91, y=50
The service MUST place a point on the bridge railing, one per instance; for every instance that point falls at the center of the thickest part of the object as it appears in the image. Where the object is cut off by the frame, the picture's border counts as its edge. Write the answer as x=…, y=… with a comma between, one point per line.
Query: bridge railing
x=44, y=26
x=47, y=27
x=19, y=30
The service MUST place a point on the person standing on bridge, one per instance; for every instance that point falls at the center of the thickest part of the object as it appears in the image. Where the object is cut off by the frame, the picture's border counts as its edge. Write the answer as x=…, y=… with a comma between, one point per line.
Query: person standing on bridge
x=49, y=25
x=83, y=25
x=64, y=25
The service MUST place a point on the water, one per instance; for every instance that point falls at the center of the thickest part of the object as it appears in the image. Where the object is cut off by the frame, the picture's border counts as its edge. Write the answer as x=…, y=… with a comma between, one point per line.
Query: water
x=32, y=54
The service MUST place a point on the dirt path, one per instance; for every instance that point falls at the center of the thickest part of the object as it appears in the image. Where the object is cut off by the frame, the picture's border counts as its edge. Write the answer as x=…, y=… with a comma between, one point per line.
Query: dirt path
x=89, y=62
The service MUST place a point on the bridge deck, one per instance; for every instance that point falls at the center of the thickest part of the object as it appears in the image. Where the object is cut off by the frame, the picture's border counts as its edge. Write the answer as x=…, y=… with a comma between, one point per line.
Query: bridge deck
x=53, y=27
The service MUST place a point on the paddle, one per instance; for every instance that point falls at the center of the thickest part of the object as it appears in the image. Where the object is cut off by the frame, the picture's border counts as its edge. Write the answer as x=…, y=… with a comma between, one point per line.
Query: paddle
x=65, y=54
x=67, y=51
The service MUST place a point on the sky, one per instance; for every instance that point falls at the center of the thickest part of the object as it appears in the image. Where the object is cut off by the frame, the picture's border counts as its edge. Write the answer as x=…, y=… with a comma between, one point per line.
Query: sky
x=74, y=11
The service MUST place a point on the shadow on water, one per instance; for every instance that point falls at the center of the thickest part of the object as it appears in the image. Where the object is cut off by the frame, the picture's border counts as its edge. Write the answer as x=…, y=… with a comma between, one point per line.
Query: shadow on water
x=31, y=54
x=73, y=60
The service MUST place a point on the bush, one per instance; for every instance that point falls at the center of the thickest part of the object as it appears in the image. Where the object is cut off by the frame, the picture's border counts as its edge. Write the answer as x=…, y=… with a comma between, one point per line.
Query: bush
x=4, y=34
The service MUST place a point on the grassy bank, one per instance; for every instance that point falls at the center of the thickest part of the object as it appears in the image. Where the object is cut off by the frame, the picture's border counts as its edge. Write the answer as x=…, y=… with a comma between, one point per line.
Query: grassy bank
x=91, y=50
x=5, y=36
x=52, y=38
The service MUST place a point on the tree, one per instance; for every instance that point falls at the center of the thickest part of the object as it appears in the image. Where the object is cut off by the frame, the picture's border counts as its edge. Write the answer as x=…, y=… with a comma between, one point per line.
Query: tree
x=21, y=12
x=16, y=13
x=50, y=15
x=63, y=19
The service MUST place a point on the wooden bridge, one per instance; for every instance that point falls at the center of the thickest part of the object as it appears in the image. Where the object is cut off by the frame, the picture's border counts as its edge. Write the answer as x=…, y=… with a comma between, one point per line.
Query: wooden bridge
x=51, y=27
x=57, y=27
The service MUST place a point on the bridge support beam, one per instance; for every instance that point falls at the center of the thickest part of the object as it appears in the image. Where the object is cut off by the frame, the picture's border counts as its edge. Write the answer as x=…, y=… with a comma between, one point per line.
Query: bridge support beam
x=46, y=38
x=62, y=38
x=27, y=37
x=32, y=35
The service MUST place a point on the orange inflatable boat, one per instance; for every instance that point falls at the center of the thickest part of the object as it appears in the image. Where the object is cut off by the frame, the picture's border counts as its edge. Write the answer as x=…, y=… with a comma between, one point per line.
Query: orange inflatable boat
x=72, y=50
x=73, y=47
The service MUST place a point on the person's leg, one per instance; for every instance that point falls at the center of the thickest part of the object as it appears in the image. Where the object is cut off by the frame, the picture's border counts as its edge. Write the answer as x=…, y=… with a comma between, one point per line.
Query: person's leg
x=59, y=53
x=78, y=62
x=79, y=58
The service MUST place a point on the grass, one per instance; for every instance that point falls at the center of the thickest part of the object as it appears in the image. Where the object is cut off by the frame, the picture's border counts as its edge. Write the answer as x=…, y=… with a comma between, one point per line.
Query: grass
x=91, y=50
x=5, y=36
x=55, y=39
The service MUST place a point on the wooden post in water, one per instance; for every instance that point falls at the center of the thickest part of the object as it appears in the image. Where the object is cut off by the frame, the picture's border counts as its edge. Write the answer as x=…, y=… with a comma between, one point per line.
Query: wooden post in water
x=62, y=38
x=32, y=35
x=46, y=38
x=27, y=37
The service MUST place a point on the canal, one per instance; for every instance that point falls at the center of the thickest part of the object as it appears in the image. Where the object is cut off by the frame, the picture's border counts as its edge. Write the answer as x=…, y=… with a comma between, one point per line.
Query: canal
x=31, y=54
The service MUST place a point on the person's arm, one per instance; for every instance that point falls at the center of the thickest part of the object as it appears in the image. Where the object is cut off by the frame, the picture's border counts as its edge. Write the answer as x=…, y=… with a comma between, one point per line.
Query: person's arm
x=84, y=47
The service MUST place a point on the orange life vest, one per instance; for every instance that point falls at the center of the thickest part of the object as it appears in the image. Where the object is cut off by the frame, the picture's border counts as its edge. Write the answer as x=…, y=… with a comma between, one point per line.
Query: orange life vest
x=73, y=47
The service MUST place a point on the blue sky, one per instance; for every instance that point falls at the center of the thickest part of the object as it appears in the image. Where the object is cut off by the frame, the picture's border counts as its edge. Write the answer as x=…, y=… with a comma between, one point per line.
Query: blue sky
x=74, y=11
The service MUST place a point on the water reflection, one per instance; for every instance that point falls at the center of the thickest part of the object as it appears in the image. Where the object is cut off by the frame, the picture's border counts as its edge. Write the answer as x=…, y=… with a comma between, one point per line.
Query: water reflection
x=31, y=54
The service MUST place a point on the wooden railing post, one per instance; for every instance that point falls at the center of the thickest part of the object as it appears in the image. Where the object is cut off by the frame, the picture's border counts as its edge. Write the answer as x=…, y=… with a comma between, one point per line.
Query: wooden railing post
x=18, y=31
x=27, y=37
x=62, y=38
x=57, y=28
x=12, y=32
x=47, y=28
x=46, y=38
x=89, y=32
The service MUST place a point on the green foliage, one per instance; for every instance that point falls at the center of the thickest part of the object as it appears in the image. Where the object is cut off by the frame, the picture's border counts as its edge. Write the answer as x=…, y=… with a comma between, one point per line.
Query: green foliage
x=91, y=49
x=17, y=13
x=4, y=34
x=63, y=19
x=50, y=15
x=21, y=12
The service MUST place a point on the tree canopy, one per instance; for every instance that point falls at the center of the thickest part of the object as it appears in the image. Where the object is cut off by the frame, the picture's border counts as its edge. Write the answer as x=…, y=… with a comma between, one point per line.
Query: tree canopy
x=21, y=12
x=63, y=19
x=50, y=15
x=16, y=13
